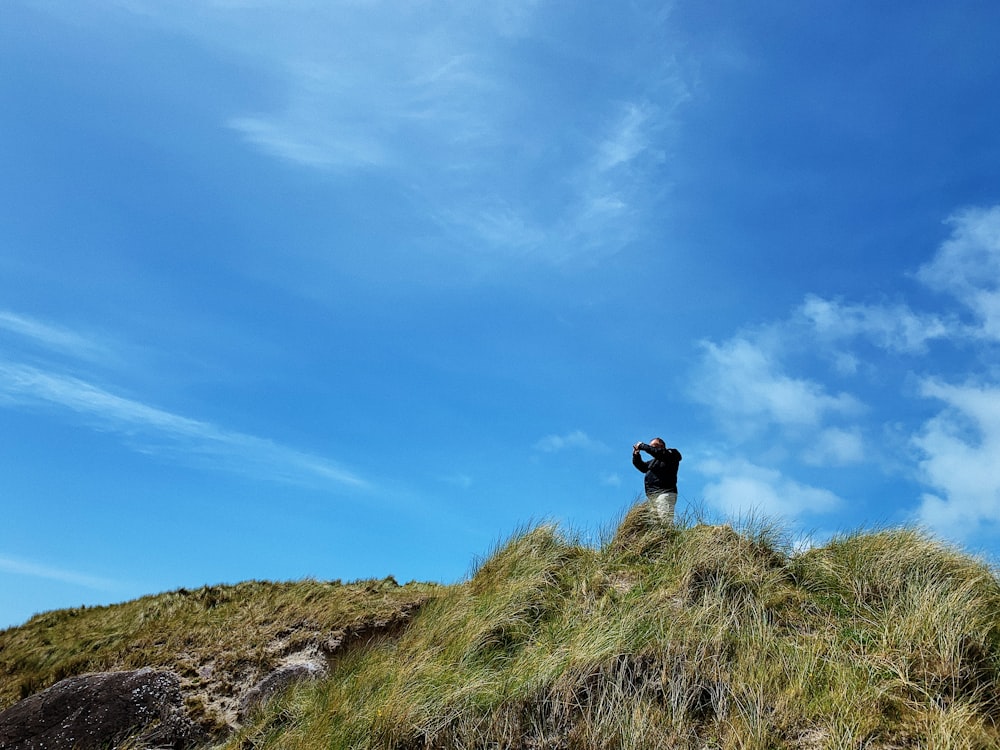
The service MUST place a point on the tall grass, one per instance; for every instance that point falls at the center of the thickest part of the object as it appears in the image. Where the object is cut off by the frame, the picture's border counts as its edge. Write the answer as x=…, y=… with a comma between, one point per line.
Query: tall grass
x=698, y=636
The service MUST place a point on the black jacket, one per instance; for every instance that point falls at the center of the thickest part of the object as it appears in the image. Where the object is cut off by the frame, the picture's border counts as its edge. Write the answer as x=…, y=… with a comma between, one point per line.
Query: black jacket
x=660, y=470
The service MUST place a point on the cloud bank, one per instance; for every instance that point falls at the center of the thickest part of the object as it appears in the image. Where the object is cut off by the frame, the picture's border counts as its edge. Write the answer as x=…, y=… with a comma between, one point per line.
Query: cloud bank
x=755, y=387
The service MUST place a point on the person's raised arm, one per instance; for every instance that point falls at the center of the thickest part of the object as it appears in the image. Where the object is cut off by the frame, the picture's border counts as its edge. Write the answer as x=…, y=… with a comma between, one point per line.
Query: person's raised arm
x=637, y=461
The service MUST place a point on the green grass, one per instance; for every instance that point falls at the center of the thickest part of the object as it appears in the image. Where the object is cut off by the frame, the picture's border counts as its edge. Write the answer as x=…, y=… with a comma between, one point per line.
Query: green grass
x=219, y=639
x=700, y=636
x=696, y=637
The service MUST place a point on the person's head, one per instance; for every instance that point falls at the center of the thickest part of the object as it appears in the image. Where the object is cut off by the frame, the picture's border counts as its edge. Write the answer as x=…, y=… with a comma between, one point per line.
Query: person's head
x=657, y=443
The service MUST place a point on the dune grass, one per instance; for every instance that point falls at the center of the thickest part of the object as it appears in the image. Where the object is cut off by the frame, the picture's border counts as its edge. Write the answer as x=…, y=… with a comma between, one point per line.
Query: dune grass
x=217, y=638
x=695, y=637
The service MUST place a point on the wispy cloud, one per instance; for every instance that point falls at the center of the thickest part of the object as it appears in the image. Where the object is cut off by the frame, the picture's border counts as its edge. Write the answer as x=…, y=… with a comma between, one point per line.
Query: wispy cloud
x=320, y=150
x=616, y=181
x=605, y=189
x=156, y=431
x=52, y=337
x=21, y=567
x=440, y=100
x=417, y=95
x=598, y=193
x=576, y=440
x=629, y=139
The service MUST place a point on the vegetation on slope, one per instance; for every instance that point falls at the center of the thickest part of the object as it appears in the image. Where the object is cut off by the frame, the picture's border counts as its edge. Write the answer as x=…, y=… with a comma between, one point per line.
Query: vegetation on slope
x=219, y=639
x=696, y=637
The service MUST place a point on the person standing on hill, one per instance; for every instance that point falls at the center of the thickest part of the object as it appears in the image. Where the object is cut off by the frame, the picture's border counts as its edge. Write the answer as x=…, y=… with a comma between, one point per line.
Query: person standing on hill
x=661, y=476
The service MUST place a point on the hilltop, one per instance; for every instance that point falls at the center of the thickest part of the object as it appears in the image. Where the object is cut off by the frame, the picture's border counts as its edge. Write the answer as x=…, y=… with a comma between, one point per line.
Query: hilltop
x=701, y=636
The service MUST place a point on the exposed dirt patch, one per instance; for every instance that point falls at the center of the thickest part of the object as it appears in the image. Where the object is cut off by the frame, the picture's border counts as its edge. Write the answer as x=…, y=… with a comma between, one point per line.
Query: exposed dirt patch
x=220, y=696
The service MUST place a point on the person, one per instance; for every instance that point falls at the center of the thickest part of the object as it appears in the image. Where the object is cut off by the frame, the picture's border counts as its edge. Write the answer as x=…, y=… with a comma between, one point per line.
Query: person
x=660, y=481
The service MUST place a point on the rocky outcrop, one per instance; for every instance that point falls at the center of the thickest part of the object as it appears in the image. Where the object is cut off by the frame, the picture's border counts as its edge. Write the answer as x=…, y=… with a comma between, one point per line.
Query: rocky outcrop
x=101, y=710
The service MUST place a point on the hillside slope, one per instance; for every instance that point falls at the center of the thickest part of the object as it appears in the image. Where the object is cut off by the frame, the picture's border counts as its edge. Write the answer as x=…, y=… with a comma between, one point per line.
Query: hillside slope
x=694, y=637
x=220, y=640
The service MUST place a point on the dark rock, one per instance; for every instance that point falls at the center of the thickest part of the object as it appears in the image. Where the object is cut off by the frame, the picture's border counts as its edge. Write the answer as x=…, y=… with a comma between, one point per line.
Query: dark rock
x=278, y=681
x=100, y=711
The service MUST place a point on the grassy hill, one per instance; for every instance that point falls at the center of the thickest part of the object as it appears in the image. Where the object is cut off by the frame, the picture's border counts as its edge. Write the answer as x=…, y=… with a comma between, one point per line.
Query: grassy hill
x=696, y=637
x=221, y=640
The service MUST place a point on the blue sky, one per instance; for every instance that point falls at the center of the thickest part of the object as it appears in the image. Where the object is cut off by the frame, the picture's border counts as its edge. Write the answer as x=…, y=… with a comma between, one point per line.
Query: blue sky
x=352, y=289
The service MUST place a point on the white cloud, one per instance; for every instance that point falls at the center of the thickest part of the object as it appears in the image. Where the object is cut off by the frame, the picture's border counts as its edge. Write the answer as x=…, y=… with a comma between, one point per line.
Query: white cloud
x=746, y=383
x=960, y=446
x=743, y=382
x=895, y=328
x=960, y=450
x=835, y=446
x=570, y=441
x=741, y=487
x=967, y=266
x=156, y=431
x=23, y=567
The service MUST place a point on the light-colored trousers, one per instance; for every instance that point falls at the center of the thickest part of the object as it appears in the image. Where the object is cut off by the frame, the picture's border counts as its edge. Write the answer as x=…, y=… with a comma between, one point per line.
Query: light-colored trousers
x=663, y=507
